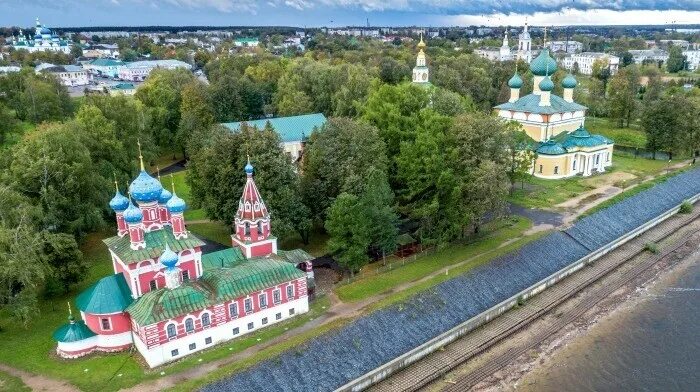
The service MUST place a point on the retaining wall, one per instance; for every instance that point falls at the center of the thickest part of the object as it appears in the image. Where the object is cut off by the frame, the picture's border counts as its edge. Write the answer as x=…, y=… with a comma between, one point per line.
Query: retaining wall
x=455, y=333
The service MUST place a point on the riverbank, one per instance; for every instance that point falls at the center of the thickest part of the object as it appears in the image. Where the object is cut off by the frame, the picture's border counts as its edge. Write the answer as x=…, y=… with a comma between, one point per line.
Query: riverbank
x=559, y=353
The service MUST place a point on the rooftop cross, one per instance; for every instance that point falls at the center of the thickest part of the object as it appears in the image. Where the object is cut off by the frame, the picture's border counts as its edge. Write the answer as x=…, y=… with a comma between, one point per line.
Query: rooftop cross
x=138, y=142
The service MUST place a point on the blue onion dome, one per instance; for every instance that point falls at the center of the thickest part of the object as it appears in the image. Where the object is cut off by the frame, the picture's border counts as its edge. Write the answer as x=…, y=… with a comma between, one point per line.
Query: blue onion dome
x=249, y=168
x=546, y=84
x=543, y=64
x=133, y=214
x=165, y=195
x=168, y=258
x=145, y=188
x=515, y=81
x=45, y=30
x=175, y=204
x=119, y=202
x=569, y=81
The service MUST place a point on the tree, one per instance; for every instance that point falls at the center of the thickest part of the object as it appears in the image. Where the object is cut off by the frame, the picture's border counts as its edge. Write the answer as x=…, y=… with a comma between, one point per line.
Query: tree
x=62, y=255
x=196, y=117
x=8, y=123
x=76, y=51
x=43, y=98
x=377, y=200
x=129, y=55
x=337, y=159
x=235, y=99
x=622, y=93
x=666, y=123
x=221, y=160
x=676, y=60
x=348, y=229
x=521, y=156
x=626, y=59
x=451, y=104
x=601, y=71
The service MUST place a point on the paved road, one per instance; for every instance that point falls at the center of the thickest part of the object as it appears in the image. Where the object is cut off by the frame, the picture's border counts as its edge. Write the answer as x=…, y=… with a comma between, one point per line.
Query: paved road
x=538, y=217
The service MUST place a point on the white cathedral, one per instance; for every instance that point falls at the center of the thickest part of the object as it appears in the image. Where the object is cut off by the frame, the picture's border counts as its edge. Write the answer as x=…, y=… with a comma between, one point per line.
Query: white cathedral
x=505, y=53
x=43, y=40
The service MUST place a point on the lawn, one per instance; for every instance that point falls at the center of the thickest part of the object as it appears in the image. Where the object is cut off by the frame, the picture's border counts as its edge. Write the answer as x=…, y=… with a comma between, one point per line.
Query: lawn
x=487, y=244
x=10, y=383
x=631, y=137
x=213, y=231
x=183, y=191
x=642, y=167
x=542, y=193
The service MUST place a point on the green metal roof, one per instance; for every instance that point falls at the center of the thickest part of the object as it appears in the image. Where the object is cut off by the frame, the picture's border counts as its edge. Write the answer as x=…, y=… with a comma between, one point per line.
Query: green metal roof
x=550, y=147
x=110, y=294
x=216, y=285
x=223, y=258
x=123, y=86
x=106, y=62
x=155, y=244
x=582, y=138
x=164, y=303
x=531, y=104
x=72, y=332
x=290, y=129
x=295, y=256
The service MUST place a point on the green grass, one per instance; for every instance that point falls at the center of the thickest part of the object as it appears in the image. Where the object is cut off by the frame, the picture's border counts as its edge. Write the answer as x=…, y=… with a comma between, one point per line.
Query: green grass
x=542, y=193
x=10, y=383
x=493, y=236
x=183, y=191
x=638, y=166
x=213, y=231
x=631, y=137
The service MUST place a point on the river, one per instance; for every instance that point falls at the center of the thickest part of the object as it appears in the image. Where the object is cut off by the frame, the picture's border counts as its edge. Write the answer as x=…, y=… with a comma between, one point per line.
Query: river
x=650, y=344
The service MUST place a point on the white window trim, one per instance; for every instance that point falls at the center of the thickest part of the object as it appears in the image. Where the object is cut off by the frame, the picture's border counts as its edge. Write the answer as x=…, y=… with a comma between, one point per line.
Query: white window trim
x=201, y=318
x=231, y=315
x=166, y=330
x=279, y=296
x=109, y=321
x=252, y=305
x=194, y=326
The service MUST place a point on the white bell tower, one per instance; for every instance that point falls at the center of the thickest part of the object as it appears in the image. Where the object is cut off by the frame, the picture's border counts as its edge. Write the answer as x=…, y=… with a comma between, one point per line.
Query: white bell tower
x=420, y=71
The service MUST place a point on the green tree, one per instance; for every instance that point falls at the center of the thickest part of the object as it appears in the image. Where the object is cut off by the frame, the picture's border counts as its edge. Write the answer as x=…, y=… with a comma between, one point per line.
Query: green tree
x=196, y=117
x=348, y=228
x=521, y=157
x=62, y=255
x=622, y=94
x=666, y=123
x=676, y=60
x=8, y=124
x=377, y=200
x=43, y=98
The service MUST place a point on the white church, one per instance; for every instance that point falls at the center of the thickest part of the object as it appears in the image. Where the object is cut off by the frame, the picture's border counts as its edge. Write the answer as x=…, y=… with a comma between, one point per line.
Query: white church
x=43, y=40
x=506, y=53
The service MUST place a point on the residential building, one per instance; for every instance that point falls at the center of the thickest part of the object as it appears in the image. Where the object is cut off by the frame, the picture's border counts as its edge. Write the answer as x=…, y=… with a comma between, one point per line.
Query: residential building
x=501, y=54
x=104, y=67
x=692, y=58
x=122, y=89
x=565, y=46
x=564, y=148
x=584, y=62
x=293, y=131
x=168, y=299
x=641, y=56
x=246, y=42
x=139, y=70
x=68, y=75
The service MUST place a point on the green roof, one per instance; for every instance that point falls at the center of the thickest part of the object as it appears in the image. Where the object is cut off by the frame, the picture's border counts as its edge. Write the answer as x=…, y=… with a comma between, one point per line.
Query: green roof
x=582, y=138
x=290, y=129
x=216, y=285
x=245, y=39
x=550, y=147
x=164, y=303
x=223, y=258
x=123, y=86
x=295, y=256
x=543, y=64
x=110, y=294
x=72, y=332
x=531, y=104
x=106, y=62
x=155, y=244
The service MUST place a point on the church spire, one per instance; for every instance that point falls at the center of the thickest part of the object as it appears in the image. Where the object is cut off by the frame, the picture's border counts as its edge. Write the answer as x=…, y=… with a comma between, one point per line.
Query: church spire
x=252, y=221
x=143, y=168
x=420, y=71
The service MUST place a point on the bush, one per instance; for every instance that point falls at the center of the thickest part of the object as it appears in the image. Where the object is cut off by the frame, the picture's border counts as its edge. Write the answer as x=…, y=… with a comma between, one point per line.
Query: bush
x=686, y=208
x=651, y=247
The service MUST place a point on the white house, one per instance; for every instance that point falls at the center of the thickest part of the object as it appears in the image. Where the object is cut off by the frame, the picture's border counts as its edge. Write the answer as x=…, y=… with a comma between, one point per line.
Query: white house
x=139, y=70
x=586, y=60
x=68, y=75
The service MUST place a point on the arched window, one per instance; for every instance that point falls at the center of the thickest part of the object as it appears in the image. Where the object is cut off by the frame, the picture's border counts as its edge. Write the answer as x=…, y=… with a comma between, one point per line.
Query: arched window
x=260, y=229
x=246, y=231
x=189, y=325
x=205, y=320
x=171, y=331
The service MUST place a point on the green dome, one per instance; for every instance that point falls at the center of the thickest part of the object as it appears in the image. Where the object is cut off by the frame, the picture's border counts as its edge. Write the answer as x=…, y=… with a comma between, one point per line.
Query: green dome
x=550, y=147
x=582, y=138
x=515, y=81
x=72, y=332
x=546, y=84
x=569, y=81
x=544, y=64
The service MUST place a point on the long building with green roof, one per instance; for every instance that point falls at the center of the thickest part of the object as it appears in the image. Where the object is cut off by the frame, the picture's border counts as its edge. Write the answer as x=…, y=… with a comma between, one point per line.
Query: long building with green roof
x=168, y=299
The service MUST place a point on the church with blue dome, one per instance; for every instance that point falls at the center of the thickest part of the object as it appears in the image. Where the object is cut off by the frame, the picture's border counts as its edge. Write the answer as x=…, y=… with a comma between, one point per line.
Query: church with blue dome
x=42, y=40
x=562, y=146
x=169, y=295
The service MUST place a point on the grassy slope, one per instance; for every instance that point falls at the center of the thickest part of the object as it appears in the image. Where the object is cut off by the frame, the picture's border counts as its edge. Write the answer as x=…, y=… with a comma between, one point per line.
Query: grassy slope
x=541, y=193
x=10, y=383
x=631, y=137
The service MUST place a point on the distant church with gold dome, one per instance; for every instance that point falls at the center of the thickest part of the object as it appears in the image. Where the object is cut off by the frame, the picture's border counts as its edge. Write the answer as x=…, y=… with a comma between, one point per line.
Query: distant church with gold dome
x=564, y=147
x=421, y=74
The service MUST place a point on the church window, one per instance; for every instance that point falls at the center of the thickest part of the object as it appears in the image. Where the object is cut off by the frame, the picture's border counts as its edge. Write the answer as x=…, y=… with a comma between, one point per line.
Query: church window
x=291, y=311
x=153, y=285
x=574, y=164
x=246, y=230
x=175, y=352
x=207, y=340
x=256, y=207
x=276, y=296
x=247, y=206
x=290, y=291
x=264, y=320
x=250, y=326
x=236, y=331
x=105, y=324
x=185, y=275
x=278, y=316
x=540, y=168
x=193, y=346
x=260, y=228
x=206, y=320
x=263, y=300
x=556, y=169
x=171, y=331
x=597, y=159
x=248, y=303
x=189, y=325
x=233, y=310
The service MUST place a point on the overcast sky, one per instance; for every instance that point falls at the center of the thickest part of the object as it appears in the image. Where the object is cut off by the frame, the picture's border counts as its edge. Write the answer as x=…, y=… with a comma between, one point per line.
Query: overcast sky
x=313, y=13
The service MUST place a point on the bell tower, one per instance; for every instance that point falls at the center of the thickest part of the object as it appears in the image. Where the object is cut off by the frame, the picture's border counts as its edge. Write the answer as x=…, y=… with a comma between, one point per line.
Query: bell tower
x=252, y=222
x=420, y=71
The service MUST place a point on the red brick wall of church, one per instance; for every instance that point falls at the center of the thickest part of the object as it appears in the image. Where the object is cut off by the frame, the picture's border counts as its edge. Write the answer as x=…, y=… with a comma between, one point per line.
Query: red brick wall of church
x=119, y=323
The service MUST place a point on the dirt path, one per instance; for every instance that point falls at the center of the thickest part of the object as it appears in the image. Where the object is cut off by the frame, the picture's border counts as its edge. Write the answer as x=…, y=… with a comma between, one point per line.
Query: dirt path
x=38, y=382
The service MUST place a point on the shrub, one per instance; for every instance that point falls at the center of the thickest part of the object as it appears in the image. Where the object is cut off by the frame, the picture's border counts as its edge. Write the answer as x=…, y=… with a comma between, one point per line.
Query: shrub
x=651, y=247
x=686, y=208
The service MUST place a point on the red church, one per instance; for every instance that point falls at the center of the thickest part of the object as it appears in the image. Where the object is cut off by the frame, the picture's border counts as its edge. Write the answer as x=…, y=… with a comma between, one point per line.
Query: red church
x=168, y=299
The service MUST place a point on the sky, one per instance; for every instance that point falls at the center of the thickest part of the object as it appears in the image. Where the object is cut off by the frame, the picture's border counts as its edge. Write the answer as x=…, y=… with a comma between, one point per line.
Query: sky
x=335, y=13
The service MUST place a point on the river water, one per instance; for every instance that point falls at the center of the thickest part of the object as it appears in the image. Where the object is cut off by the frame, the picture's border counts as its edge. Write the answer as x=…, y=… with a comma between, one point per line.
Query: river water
x=653, y=344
